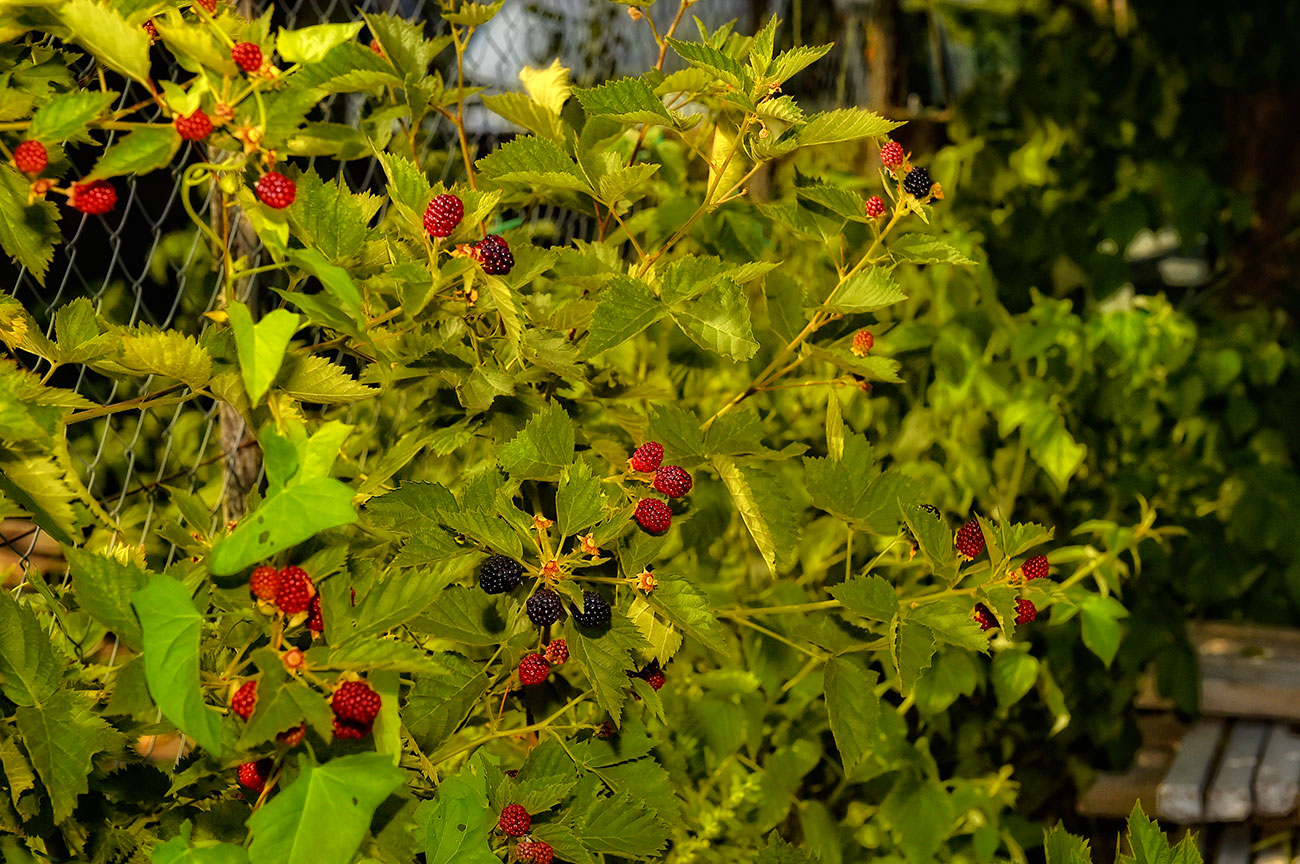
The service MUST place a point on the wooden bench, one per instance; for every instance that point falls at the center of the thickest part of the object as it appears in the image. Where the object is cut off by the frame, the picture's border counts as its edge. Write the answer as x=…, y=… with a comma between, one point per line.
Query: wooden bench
x=1237, y=766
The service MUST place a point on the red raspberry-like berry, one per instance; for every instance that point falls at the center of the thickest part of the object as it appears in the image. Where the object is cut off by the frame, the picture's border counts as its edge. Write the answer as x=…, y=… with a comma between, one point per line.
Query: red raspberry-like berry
x=647, y=457
x=653, y=515
x=984, y=617
x=247, y=56
x=264, y=582
x=875, y=207
x=94, y=198
x=557, y=653
x=210, y=6
x=652, y=674
x=673, y=481
x=292, y=737
x=515, y=820
x=31, y=157
x=350, y=729
x=533, y=669
x=376, y=47
x=1036, y=567
x=443, y=215
x=1026, y=612
x=150, y=30
x=355, y=701
x=863, y=342
x=606, y=730
x=253, y=775
x=493, y=253
x=892, y=155
x=276, y=190
x=970, y=539
x=195, y=127
x=294, y=593
x=315, y=620
x=244, y=700
x=535, y=851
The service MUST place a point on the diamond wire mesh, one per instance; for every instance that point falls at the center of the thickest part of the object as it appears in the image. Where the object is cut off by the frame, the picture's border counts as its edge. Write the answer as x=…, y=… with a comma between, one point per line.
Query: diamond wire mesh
x=146, y=263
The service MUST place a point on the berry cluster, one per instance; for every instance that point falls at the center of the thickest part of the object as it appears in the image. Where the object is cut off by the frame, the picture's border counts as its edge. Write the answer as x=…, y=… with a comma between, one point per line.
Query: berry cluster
x=535, y=851
x=652, y=515
x=970, y=539
x=533, y=669
x=94, y=198
x=31, y=157
x=247, y=56
x=493, y=253
x=443, y=215
x=276, y=190
x=515, y=820
x=195, y=127
x=355, y=708
x=290, y=590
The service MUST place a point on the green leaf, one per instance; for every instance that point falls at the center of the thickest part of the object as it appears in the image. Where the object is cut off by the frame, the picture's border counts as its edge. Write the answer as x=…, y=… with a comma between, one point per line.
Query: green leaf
x=869, y=596
x=62, y=736
x=625, y=308
x=311, y=44
x=472, y=14
x=330, y=218
x=663, y=639
x=29, y=672
x=1013, y=675
x=854, y=489
x=854, y=710
x=282, y=704
x=934, y=538
x=710, y=59
x=607, y=659
x=396, y=600
x=543, y=449
x=41, y=486
x=920, y=814
x=788, y=63
x=28, y=233
x=171, y=629
x=313, y=378
x=380, y=655
x=260, y=346
x=679, y=432
x=912, y=647
x=765, y=507
x=951, y=676
x=67, y=114
x=335, y=800
x=579, y=501
x=166, y=353
x=1100, y=625
x=682, y=603
x=1061, y=847
x=441, y=699
x=533, y=161
x=951, y=622
x=719, y=321
x=104, y=586
x=284, y=519
x=619, y=825
x=466, y=615
x=140, y=152
x=545, y=779
x=101, y=30
x=335, y=280
x=461, y=822
x=179, y=851
x=925, y=249
x=843, y=124
x=629, y=100
x=866, y=291
x=506, y=301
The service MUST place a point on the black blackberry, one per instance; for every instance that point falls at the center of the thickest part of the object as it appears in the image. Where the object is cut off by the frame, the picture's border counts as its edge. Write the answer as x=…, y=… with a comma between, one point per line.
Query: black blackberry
x=493, y=252
x=544, y=607
x=595, y=611
x=917, y=182
x=500, y=574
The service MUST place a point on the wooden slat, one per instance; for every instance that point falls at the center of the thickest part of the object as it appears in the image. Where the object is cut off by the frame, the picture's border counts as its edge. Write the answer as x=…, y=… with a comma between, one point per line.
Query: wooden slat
x=1277, y=783
x=1234, y=846
x=1113, y=794
x=1231, y=795
x=1248, y=671
x=1180, y=796
x=1160, y=730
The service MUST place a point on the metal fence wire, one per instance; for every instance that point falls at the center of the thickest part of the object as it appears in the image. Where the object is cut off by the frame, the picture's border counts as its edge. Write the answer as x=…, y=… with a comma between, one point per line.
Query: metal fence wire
x=146, y=263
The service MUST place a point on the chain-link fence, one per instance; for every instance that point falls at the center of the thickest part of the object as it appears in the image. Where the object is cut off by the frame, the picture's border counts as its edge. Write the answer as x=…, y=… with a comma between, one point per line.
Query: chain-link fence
x=146, y=262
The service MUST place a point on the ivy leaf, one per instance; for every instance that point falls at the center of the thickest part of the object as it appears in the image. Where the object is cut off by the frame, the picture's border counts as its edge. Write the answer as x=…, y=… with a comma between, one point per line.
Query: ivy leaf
x=620, y=825
x=29, y=671
x=926, y=249
x=719, y=321
x=869, y=596
x=625, y=308
x=285, y=518
x=765, y=507
x=461, y=822
x=171, y=629
x=260, y=346
x=62, y=736
x=104, y=586
x=543, y=449
x=311, y=44
x=607, y=659
x=866, y=291
x=67, y=114
x=853, y=708
x=140, y=152
x=629, y=100
x=682, y=603
x=28, y=233
x=579, y=500
x=335, y=800
x=114, y=41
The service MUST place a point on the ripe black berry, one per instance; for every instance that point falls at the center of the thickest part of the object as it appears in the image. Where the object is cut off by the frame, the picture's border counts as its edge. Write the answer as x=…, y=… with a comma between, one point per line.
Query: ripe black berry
x=917, y=182
x=500, y=574
x=595, y=611
x=544, y=607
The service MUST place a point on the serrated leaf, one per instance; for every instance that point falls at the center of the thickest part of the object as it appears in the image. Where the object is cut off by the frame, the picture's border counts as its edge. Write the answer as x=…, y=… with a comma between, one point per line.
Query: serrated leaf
x=460, y=822
x=335, y=800
x=1100, y=625
x=854, y=489
x=330, y=217
x=606, y=657
x=336, y=281
x=179, y=851
x=843, y=124
x=106, y=34
x=375, y=655
x=682, y=603
x=472, y=14
x=62, y=736
x=788, y=63
x=866, y=291
x=912, y=647
x=532, y=161
x=765, y=508
x=1060, y=847
x=313, y=378
x=679, y=432
x=28, y=233
x=853, y=708
x=171, y=629
x=615, y=185
x=311, y=44
x=396, y=600
x=442, y=698
x=67, y=114
x=628, y=100
x=41, y=486
x=719, y=321
x=506, y=302
x=103, y=586
x=869, y=596
x=543, y=449
x=710, y=59
x=282, y=704
x=140, y=152
x=548, y=87
x=193, y=44
x=29, y=671
x=951, y=622
x=466, y=615
x=925, y=249
x=934, y=538
x=625, y=308
x=166, y=353
x=545, y=779
x=619, y=825
x=663, y=638
x=579, y=501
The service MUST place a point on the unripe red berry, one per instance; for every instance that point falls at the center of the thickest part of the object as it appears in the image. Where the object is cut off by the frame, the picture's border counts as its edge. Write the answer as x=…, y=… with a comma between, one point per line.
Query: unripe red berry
x=863, y=342
x=355, y=701
x=292, y=737
x=875, y=207
x=253, y=775
x=244, y=700
x=276, y=190
x=443, y=215
x=95, y=198
x=1026, y=612
x=970, y=539
x=515, y=820
x=210, y=6
x=647, y=457
x=350, y=729
x=195, y=127
x=533, y=669
x=294, y=592
x=1036, y=568
x=557, y=652
x=673, y=481
x=247, y=56
x=31, y=157
x=535, y=851
x=264, y=582
x=892, y=155
x=984, y=617
x=653, y=515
